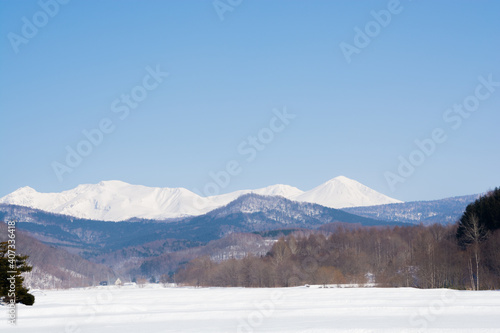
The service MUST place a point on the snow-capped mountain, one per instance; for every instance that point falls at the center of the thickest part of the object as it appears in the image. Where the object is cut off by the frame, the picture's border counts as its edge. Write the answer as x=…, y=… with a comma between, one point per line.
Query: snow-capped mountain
x=118, y=201
x=342, y=192
x=109, y=200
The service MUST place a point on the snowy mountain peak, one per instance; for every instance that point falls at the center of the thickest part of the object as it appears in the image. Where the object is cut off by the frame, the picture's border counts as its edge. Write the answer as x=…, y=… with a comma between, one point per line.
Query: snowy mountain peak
x=25, y=189
x=342, y=178
x=343, y=181
x=115, y=200
x=343, y=192
x=112, y=183
x=281, y=190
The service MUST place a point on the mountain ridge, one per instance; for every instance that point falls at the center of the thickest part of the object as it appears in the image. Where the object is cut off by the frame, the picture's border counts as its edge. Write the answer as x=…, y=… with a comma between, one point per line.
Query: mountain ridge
x=119, y=201
x=248, y=213
x=442, y=211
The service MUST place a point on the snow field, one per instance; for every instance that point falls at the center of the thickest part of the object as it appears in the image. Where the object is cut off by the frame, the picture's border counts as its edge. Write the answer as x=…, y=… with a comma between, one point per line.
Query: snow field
x=305, y=310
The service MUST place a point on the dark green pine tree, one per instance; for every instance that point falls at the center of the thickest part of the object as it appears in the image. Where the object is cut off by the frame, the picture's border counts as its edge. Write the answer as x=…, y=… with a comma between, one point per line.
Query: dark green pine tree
x=479, y=220
x=19, y=265
x=486, y=209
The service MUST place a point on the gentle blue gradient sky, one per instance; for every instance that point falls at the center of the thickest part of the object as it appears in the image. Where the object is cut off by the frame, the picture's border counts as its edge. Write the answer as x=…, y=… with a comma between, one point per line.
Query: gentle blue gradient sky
x=227, y=76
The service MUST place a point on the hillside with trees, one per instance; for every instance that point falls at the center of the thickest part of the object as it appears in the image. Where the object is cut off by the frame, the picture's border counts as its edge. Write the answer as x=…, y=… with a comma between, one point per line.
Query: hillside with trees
x=443, y=211
x=266, y=242
x=55, y=267
x=460, y=256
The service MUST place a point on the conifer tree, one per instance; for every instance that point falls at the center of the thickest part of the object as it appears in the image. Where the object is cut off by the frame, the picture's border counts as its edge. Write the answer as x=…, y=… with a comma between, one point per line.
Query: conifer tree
x=486, y=209
x=13, y=263
x=479, y=219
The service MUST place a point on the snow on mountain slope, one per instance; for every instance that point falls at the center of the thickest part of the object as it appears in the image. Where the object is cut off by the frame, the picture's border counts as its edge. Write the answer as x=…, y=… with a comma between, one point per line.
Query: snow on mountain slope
x=280, y=190
x=342, y=192
x=273, y=190
x=118, y=201
x=112, y=201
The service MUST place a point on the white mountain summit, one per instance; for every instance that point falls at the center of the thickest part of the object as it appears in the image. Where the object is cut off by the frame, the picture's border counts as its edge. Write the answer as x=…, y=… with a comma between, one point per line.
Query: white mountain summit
x=342, y=192
x=118, y=201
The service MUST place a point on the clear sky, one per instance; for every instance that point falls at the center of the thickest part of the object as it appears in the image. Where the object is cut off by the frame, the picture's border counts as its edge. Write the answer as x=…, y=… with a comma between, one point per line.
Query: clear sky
x=68, y=68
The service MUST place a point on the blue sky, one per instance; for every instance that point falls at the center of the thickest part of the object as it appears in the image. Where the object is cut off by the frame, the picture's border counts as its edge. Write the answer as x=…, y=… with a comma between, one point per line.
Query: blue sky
x=225, y=78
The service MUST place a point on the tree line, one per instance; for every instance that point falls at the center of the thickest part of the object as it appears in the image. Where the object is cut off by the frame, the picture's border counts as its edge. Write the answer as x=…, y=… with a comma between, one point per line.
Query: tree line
x=461, y=256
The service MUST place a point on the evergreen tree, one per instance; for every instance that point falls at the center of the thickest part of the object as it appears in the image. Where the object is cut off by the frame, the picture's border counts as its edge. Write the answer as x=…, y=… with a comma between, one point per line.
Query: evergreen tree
x=479, y=219
x=487, y=211
x=18, y=265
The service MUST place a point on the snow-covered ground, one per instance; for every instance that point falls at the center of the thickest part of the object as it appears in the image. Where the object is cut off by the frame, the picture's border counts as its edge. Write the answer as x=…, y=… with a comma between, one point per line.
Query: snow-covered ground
x=305, y=310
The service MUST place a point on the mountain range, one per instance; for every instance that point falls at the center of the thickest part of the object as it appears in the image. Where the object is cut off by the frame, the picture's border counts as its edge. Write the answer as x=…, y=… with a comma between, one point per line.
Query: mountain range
x=126, y=245
x=248, y=213
x=120, y=201
x=148, y=241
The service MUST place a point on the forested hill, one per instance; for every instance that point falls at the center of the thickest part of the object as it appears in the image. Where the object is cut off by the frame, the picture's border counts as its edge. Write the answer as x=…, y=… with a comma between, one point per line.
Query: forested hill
x=444, y=211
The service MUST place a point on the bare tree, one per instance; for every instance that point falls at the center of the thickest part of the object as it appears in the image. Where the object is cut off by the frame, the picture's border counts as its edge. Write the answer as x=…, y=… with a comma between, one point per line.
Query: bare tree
x=474, y=234
x=141, y=282
x=280, y=252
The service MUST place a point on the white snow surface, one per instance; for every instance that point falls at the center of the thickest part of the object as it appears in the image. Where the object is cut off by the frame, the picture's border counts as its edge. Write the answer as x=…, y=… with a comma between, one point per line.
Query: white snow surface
x=117, y=201
x=130, y=309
